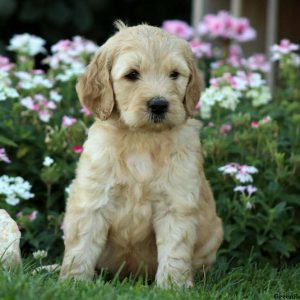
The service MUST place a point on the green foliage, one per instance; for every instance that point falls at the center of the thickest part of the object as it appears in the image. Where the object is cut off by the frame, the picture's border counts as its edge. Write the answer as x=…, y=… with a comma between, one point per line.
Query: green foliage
x=270, y=230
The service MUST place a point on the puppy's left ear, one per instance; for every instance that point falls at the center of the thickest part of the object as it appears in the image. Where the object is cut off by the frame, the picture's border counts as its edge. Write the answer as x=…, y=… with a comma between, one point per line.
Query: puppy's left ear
x=193, y=90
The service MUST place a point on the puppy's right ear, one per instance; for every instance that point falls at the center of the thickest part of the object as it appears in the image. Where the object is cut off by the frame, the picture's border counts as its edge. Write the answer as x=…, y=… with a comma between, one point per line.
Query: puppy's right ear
x=94, y=87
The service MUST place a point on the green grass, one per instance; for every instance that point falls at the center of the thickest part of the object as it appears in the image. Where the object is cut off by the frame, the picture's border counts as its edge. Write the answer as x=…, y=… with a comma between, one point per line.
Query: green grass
x=245, y=282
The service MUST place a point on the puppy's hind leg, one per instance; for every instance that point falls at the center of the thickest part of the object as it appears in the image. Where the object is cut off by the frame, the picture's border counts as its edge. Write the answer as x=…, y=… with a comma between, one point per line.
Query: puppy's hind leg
x=83, y=248
x=85, y=238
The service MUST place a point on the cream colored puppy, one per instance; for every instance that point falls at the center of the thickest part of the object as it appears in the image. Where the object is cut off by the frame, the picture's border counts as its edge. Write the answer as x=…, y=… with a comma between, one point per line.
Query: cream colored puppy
x=140, y=201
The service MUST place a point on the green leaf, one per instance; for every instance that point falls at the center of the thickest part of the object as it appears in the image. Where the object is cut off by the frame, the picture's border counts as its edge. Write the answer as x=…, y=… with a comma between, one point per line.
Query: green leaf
x=5, y=141
x=22, y=151
x=280, y=247
x=279, y=208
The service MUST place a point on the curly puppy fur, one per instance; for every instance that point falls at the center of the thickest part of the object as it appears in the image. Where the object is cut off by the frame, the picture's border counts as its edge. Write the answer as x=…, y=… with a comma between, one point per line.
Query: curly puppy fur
x=140, y=201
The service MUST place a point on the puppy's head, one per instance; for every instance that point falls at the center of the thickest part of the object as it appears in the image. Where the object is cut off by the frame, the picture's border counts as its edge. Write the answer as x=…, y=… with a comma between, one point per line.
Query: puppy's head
x=144, y=74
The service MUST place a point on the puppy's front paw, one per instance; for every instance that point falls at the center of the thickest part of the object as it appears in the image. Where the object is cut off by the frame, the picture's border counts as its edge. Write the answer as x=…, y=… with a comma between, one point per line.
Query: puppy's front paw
x=77, y=273
x=168, y=277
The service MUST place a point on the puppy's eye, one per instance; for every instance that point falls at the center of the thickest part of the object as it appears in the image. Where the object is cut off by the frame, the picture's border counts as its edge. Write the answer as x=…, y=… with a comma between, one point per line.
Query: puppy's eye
x=133, y=75
x=174, y=75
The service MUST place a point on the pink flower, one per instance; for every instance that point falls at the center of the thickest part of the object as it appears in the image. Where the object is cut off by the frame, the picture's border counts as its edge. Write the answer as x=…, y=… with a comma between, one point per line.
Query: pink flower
x=19, y=214
x=225, y=26
x=243, y=31
x=179, y=28
x=77, y=149
x=39, y=97
x=85, y=111
x=211, y=124
x=265, y=120
x=258, y=62
x=50, y=105
x=44, y=115
x=248, y=169
x=68, y=121
x=62, y=45
x=200, y=49
x=198, y=105
x=37, y=72
x=3, y=156
x=36, y=107
x=285, y=47
x=214, y=82
x=32, y=216
x=225, y=128
x=5, y=64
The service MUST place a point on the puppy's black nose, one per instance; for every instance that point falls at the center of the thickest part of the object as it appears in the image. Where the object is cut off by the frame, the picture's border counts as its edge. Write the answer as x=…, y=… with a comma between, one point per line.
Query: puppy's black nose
x=158, y=105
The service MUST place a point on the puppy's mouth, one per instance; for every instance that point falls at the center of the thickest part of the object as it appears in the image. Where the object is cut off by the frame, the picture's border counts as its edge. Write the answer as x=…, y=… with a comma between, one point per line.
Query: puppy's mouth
x=157, y=118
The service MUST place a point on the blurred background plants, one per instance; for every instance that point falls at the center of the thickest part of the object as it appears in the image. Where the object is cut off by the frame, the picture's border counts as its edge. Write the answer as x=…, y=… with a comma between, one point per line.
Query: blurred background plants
x=250, y=138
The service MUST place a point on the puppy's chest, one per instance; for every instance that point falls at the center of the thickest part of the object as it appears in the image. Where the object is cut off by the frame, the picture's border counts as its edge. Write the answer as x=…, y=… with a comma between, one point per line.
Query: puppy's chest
x=133, y=196
x=141, y=167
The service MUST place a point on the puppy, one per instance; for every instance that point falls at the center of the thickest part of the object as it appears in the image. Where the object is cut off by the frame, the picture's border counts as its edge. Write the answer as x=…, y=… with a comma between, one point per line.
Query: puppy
x=140, y=201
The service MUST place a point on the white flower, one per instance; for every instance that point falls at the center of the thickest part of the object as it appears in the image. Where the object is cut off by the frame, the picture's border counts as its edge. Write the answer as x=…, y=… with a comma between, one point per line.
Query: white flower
x=14, y=189
x=240, y=172
x=249, y=205
x=225, y=97
x=28, y=103
x=248, y=169
x=6, y=91
x=243, y=177
x=251, y=189
x=44, y=115
x=48, y=161
x=230, y=98
x=30, y=81
x=295, y=60
x=259, y=96
x=68, y=189
x=240, y=83
x=255, y=80
x=40, y=254
x=27, y=44
x=72, y=71
x=55, y=96
x=283, y=49
x=239, y=188
x=229, y=169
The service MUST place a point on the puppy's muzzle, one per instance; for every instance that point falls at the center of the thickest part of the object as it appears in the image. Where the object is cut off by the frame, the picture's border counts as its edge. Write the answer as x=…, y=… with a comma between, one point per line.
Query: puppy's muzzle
x=158, y=107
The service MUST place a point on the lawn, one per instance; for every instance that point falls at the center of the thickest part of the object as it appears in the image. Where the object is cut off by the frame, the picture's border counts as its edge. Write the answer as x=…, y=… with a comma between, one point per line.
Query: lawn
x=245, y=282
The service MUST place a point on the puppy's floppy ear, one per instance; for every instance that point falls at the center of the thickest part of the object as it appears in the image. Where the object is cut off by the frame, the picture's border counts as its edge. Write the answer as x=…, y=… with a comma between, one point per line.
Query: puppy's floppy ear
x=194, y=87
x=94, y=87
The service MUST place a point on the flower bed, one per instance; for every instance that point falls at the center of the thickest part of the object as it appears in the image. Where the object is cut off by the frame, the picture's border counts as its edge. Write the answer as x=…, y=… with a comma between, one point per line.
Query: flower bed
x=251, y=139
